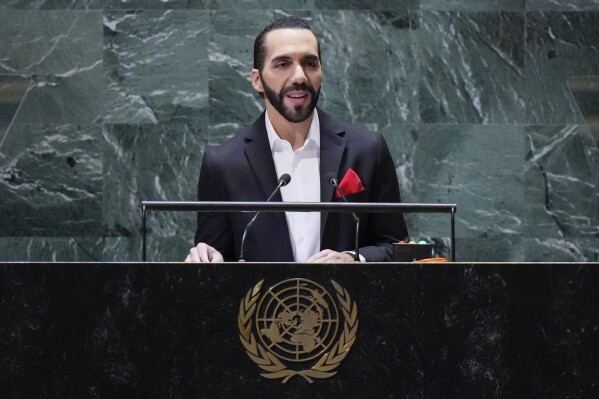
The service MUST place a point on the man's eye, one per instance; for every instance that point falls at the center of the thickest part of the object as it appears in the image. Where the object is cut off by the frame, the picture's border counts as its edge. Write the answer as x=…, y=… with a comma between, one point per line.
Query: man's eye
x=281, y=65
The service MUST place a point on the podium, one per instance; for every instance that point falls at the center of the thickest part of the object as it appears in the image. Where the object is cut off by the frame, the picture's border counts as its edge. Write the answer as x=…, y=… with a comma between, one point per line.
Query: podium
x=341, y=207
x=171, y=330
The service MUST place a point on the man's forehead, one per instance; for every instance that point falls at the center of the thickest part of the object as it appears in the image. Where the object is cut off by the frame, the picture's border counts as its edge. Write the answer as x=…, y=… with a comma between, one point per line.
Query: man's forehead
x=281, y=41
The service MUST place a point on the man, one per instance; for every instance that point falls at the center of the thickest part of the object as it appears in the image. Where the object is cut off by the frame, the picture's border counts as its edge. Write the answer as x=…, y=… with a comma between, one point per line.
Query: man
x=293, y=136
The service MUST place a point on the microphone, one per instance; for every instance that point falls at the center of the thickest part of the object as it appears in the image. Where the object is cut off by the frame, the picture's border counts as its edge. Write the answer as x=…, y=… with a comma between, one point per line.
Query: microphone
x=283, y=181
x=332, y=180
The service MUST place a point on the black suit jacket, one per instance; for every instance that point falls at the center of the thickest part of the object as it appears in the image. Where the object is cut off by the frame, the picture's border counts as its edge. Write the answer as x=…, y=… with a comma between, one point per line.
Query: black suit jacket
x=242, y=169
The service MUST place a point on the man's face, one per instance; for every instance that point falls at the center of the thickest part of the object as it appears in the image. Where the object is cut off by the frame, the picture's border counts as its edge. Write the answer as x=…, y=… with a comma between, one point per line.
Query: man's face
x=291, y=76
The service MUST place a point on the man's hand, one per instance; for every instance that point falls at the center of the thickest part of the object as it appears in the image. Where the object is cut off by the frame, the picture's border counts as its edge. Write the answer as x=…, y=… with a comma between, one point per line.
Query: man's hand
x=328, y=256
x=204, y=253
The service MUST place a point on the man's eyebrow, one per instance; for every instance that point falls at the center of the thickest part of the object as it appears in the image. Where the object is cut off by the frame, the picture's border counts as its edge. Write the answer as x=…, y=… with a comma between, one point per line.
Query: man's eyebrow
x=311, y=58
x=280, y=58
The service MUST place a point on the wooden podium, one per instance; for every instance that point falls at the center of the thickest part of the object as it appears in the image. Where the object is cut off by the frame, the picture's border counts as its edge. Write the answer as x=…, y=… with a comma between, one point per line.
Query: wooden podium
x=172, y=330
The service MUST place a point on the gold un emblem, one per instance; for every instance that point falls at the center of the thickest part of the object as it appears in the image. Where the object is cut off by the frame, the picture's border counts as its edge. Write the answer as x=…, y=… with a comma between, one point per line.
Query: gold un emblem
x=296, y=322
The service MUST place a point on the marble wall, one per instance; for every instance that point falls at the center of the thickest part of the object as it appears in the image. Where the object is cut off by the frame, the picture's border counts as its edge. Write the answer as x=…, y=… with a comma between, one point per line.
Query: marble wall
x=105, y=103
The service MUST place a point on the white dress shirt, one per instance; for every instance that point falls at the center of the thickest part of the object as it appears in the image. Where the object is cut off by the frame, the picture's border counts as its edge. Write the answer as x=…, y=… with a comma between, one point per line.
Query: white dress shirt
x=303, y=165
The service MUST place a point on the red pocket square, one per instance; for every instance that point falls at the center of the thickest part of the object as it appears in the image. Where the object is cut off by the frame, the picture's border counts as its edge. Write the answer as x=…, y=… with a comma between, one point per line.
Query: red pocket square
x=350, y=184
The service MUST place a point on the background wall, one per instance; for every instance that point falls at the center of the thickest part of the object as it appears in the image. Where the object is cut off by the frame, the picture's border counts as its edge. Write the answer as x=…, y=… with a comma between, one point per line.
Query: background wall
x=123, y=96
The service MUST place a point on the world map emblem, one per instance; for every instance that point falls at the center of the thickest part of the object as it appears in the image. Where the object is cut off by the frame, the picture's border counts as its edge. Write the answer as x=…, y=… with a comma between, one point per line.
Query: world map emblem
x=297, y=323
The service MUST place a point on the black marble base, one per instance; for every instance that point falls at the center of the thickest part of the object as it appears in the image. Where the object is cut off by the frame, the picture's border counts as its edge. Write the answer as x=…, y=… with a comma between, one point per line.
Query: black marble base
x=425, y=331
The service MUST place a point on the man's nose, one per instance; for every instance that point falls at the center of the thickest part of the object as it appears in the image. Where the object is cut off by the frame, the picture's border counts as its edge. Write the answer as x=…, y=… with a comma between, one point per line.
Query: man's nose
x=299, y=77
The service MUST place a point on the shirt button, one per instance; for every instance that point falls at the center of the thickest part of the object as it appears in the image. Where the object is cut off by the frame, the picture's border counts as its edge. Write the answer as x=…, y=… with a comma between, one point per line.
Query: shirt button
x=301, y=239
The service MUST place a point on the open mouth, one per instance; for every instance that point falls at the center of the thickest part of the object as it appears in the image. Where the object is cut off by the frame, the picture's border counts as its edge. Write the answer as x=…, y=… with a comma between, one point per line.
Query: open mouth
x=297, y=98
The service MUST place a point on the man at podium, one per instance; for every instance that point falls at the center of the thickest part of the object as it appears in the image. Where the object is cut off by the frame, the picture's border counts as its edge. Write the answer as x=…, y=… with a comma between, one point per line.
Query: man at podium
x=294, y=137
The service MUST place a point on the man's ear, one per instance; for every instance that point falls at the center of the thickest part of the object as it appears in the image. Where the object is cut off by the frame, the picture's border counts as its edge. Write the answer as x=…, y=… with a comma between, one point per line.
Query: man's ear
x=256, y=81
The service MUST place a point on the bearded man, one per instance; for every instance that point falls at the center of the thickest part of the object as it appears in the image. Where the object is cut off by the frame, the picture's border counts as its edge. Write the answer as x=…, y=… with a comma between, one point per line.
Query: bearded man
x=293, y=136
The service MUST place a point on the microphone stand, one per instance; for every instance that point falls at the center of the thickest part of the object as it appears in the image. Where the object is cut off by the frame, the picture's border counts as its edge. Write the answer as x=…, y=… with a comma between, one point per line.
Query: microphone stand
x=283, y=181
x=333, y=182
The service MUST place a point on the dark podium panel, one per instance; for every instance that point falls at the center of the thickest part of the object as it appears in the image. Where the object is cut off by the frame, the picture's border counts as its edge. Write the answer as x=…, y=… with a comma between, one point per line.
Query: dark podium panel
x=153, y=330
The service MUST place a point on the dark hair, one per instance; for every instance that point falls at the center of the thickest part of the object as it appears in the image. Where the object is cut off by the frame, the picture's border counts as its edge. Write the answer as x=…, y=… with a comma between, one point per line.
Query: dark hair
x=281, y=23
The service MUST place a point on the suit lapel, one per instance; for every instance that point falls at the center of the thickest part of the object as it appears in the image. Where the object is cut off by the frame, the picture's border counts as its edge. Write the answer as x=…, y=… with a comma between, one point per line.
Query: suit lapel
x=332, y=147
x=259, y=155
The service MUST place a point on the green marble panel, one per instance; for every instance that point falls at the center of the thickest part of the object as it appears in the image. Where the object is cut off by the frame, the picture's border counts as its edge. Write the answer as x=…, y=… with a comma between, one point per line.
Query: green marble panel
x=122, y=249
x=401, y=140
x=594, y=130
x=266, y=5
x=469, y=5
x=155, y=65
x=155, y=4
x=585, y=90
x=563, y=5
x=154, y=163
x=62, y=51
x=228, y=5
x=51, y=181
x=219, y=133
x=490, y=246
x=63, y=100
x=559, y=46
x=51, y=249
x=479, y=168
x=235, y=5
x=562, y=199
x=472, y=67
x=560, y=249
x=159, y=248
x=52, y=4
x=12, y=92
x=62, y=43
x=378, y=5
x=370, y=72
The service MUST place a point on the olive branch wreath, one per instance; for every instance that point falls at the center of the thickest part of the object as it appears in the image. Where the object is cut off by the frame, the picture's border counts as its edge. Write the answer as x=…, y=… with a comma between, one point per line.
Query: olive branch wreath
x=272, y=366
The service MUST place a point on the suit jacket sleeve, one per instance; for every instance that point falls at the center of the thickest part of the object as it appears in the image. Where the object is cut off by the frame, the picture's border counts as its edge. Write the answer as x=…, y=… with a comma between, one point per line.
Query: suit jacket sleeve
x=214, y=228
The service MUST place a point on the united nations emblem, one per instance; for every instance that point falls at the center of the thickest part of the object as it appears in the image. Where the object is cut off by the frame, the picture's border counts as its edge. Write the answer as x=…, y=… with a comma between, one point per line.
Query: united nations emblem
x=297, y=321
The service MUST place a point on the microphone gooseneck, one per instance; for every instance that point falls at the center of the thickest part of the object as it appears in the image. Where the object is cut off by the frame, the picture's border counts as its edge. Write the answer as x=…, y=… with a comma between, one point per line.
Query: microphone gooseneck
x=283, y=181
x=332, y=180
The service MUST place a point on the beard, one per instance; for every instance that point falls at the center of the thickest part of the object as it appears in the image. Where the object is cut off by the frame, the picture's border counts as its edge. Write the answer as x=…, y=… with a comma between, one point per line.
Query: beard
x=298, y=113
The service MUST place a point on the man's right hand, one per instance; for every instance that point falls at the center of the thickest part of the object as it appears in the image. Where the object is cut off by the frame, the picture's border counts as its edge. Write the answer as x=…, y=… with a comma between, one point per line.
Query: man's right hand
x=204, y=253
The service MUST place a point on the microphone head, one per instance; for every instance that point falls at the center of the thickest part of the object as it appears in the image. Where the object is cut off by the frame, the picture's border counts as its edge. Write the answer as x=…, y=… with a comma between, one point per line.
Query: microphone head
x=284, y=179
x=331, y=178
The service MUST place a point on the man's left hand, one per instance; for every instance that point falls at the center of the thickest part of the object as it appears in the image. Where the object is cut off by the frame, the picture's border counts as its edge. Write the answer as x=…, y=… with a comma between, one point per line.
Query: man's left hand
x=330, y=256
